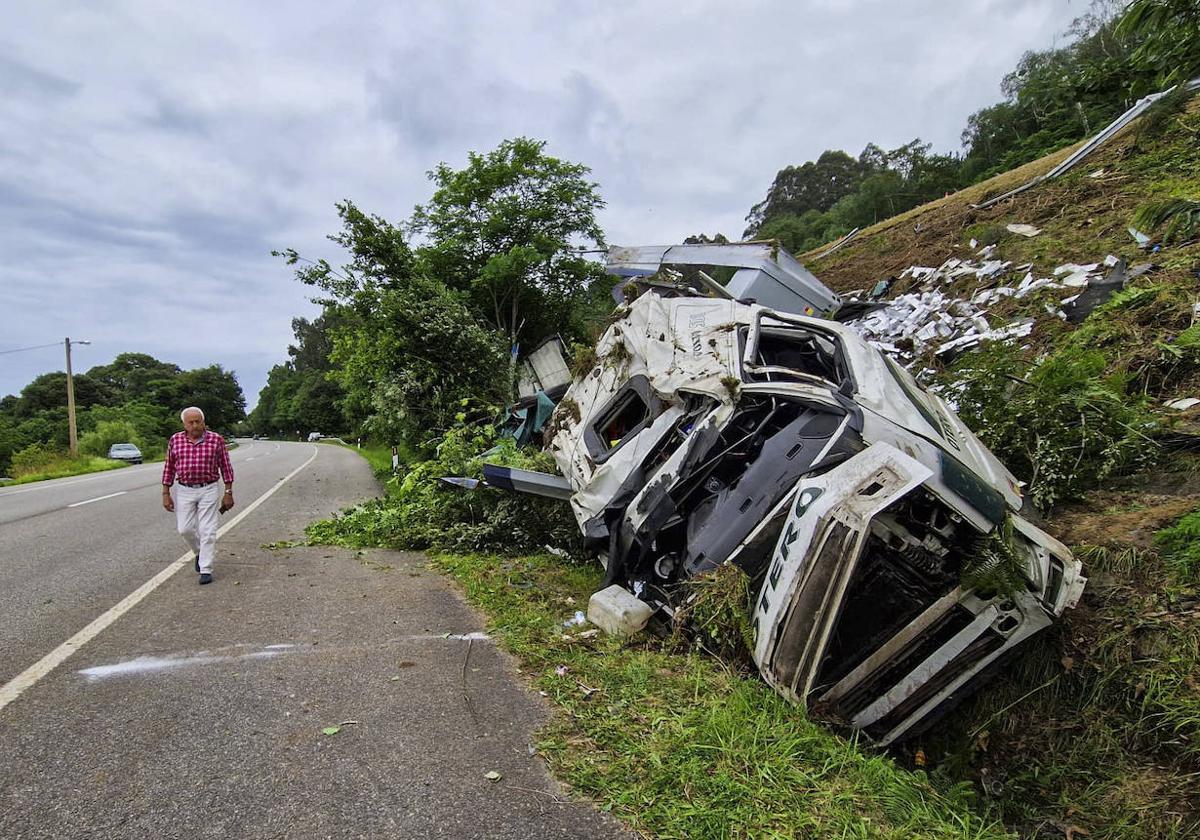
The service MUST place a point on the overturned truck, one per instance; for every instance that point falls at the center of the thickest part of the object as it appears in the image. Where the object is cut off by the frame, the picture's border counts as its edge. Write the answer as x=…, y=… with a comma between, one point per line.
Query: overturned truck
x=712, y=431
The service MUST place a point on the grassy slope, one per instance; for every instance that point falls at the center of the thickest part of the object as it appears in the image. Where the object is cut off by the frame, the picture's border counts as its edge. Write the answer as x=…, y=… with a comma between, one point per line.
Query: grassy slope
x=1097, y=727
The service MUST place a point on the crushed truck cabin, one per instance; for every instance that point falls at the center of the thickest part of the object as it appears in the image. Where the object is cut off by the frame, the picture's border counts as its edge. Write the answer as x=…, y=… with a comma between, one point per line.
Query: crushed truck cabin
x=885, y=545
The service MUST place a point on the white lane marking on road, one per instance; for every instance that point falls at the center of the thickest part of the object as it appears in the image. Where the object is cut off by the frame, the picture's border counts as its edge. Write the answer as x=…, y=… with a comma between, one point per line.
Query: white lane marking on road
x=15, y=687
x=99, y=498
x=251, y=458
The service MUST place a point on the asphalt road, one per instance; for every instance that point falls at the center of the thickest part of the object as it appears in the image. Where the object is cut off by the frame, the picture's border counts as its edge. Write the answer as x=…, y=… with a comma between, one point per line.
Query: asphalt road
x=73, y=547
x=199, y=712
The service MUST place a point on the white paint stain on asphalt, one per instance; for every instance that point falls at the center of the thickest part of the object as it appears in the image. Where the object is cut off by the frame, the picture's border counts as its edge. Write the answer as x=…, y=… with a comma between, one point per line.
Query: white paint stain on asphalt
x=99, y=499
x=152, y=664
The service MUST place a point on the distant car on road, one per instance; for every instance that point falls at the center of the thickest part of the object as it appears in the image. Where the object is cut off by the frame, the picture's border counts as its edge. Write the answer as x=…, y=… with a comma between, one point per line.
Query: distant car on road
x=125, y=452
x=313, y=437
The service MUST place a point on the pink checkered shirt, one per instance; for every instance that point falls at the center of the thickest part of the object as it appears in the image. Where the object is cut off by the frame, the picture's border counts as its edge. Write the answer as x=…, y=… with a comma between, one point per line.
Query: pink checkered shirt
x=196, y=463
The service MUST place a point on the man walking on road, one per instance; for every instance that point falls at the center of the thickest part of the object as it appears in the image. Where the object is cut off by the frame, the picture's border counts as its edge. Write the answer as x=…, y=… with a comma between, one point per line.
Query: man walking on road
x=195, y=457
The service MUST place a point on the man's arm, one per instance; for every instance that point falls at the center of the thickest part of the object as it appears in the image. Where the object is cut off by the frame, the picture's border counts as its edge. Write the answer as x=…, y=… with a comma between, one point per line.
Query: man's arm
x=168, y=478
x=226, y=468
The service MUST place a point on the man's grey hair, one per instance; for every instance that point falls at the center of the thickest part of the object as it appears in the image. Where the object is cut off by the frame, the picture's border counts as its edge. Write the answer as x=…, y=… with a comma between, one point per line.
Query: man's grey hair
x=199, y=411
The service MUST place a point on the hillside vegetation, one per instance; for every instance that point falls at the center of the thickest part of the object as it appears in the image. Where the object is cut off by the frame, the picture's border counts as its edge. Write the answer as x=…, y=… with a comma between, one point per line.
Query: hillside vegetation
x=1097, y=727
x=1115, y=52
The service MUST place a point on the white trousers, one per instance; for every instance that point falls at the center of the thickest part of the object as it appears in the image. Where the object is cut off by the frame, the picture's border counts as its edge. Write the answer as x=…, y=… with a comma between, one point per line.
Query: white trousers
x=196, y=515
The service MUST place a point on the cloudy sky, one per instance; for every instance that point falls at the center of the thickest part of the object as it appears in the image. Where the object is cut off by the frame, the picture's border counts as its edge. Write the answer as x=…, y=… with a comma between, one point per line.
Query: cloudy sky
x=152, y=154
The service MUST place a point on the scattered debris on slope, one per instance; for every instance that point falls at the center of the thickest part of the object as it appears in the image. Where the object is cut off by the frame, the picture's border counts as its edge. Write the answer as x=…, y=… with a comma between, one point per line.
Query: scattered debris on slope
x=929, y=318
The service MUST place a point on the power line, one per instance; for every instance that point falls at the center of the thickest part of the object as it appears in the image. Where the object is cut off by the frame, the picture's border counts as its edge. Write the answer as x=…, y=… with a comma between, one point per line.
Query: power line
x=35, y=347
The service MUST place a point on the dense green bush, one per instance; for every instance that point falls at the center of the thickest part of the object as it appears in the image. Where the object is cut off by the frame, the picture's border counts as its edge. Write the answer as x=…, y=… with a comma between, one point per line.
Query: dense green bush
x=422, y=512
x=34, y=458
x=1062, y=423
x=108, y=432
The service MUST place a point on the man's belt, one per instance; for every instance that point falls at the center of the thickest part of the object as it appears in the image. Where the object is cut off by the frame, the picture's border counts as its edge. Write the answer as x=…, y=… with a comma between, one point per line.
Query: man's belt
x=201, y=484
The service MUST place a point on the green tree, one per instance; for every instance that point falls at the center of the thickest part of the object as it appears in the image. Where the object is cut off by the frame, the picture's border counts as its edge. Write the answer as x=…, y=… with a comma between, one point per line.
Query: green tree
x=801, y=233
x=417, y=335
x=408, y=366
x=10, y=442
x=1168, y=32
x=216, y=392
x=139, y=376
x=50, y=391
x=300, y=394
x=507, y=229
x=815, y=185
x=108, y=432
x=379, y=258
x=152, y=423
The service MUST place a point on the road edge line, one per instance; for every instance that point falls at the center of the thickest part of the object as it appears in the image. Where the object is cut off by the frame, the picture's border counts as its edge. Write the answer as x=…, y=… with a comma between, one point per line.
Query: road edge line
x=28, y=678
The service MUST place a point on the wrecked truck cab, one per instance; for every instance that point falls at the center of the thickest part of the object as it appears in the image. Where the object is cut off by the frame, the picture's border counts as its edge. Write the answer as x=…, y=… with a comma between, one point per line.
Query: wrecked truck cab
x=865, y=513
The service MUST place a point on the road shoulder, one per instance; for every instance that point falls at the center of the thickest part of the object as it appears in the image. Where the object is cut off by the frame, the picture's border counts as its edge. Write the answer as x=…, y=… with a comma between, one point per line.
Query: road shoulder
x=203, y=711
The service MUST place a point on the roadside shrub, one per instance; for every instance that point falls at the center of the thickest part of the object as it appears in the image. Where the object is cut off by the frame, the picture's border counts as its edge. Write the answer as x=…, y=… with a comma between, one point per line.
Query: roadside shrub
x=1062, y=424
x=35, y=458
x=108, y=432
x=422, y=512
x=40, y=459
x=9, y=443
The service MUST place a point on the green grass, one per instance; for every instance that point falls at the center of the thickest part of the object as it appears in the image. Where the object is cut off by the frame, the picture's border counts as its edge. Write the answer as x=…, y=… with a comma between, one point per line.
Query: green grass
x=681, y=745
x=64, y=466
x=1181, y=546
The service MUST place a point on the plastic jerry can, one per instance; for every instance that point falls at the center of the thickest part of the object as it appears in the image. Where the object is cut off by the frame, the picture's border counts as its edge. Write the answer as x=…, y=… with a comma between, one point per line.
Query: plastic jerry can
x=618, y=611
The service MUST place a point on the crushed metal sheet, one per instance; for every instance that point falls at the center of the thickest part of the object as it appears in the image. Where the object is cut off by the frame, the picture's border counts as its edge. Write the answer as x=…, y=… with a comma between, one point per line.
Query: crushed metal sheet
x=1183, y=404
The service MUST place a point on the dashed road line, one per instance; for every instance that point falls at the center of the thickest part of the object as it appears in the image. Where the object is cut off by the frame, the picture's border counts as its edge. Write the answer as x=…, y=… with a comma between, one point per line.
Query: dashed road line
x=99, y=498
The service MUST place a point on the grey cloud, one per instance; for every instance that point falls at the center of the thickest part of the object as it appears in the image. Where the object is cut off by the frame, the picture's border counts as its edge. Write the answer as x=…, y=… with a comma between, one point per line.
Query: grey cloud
x=170, y=115
x=20, y=79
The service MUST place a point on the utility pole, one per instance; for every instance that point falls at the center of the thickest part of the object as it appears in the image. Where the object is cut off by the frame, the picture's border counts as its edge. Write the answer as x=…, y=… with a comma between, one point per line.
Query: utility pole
x=72, y=432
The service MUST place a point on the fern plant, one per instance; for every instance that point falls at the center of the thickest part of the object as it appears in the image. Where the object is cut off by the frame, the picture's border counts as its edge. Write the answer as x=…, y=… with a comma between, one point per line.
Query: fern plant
x=996, y=566
x=1181, y=216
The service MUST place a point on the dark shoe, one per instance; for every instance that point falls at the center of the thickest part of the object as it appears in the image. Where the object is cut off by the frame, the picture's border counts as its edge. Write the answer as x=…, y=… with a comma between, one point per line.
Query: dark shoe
x=196, y=565
x=205, y=577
